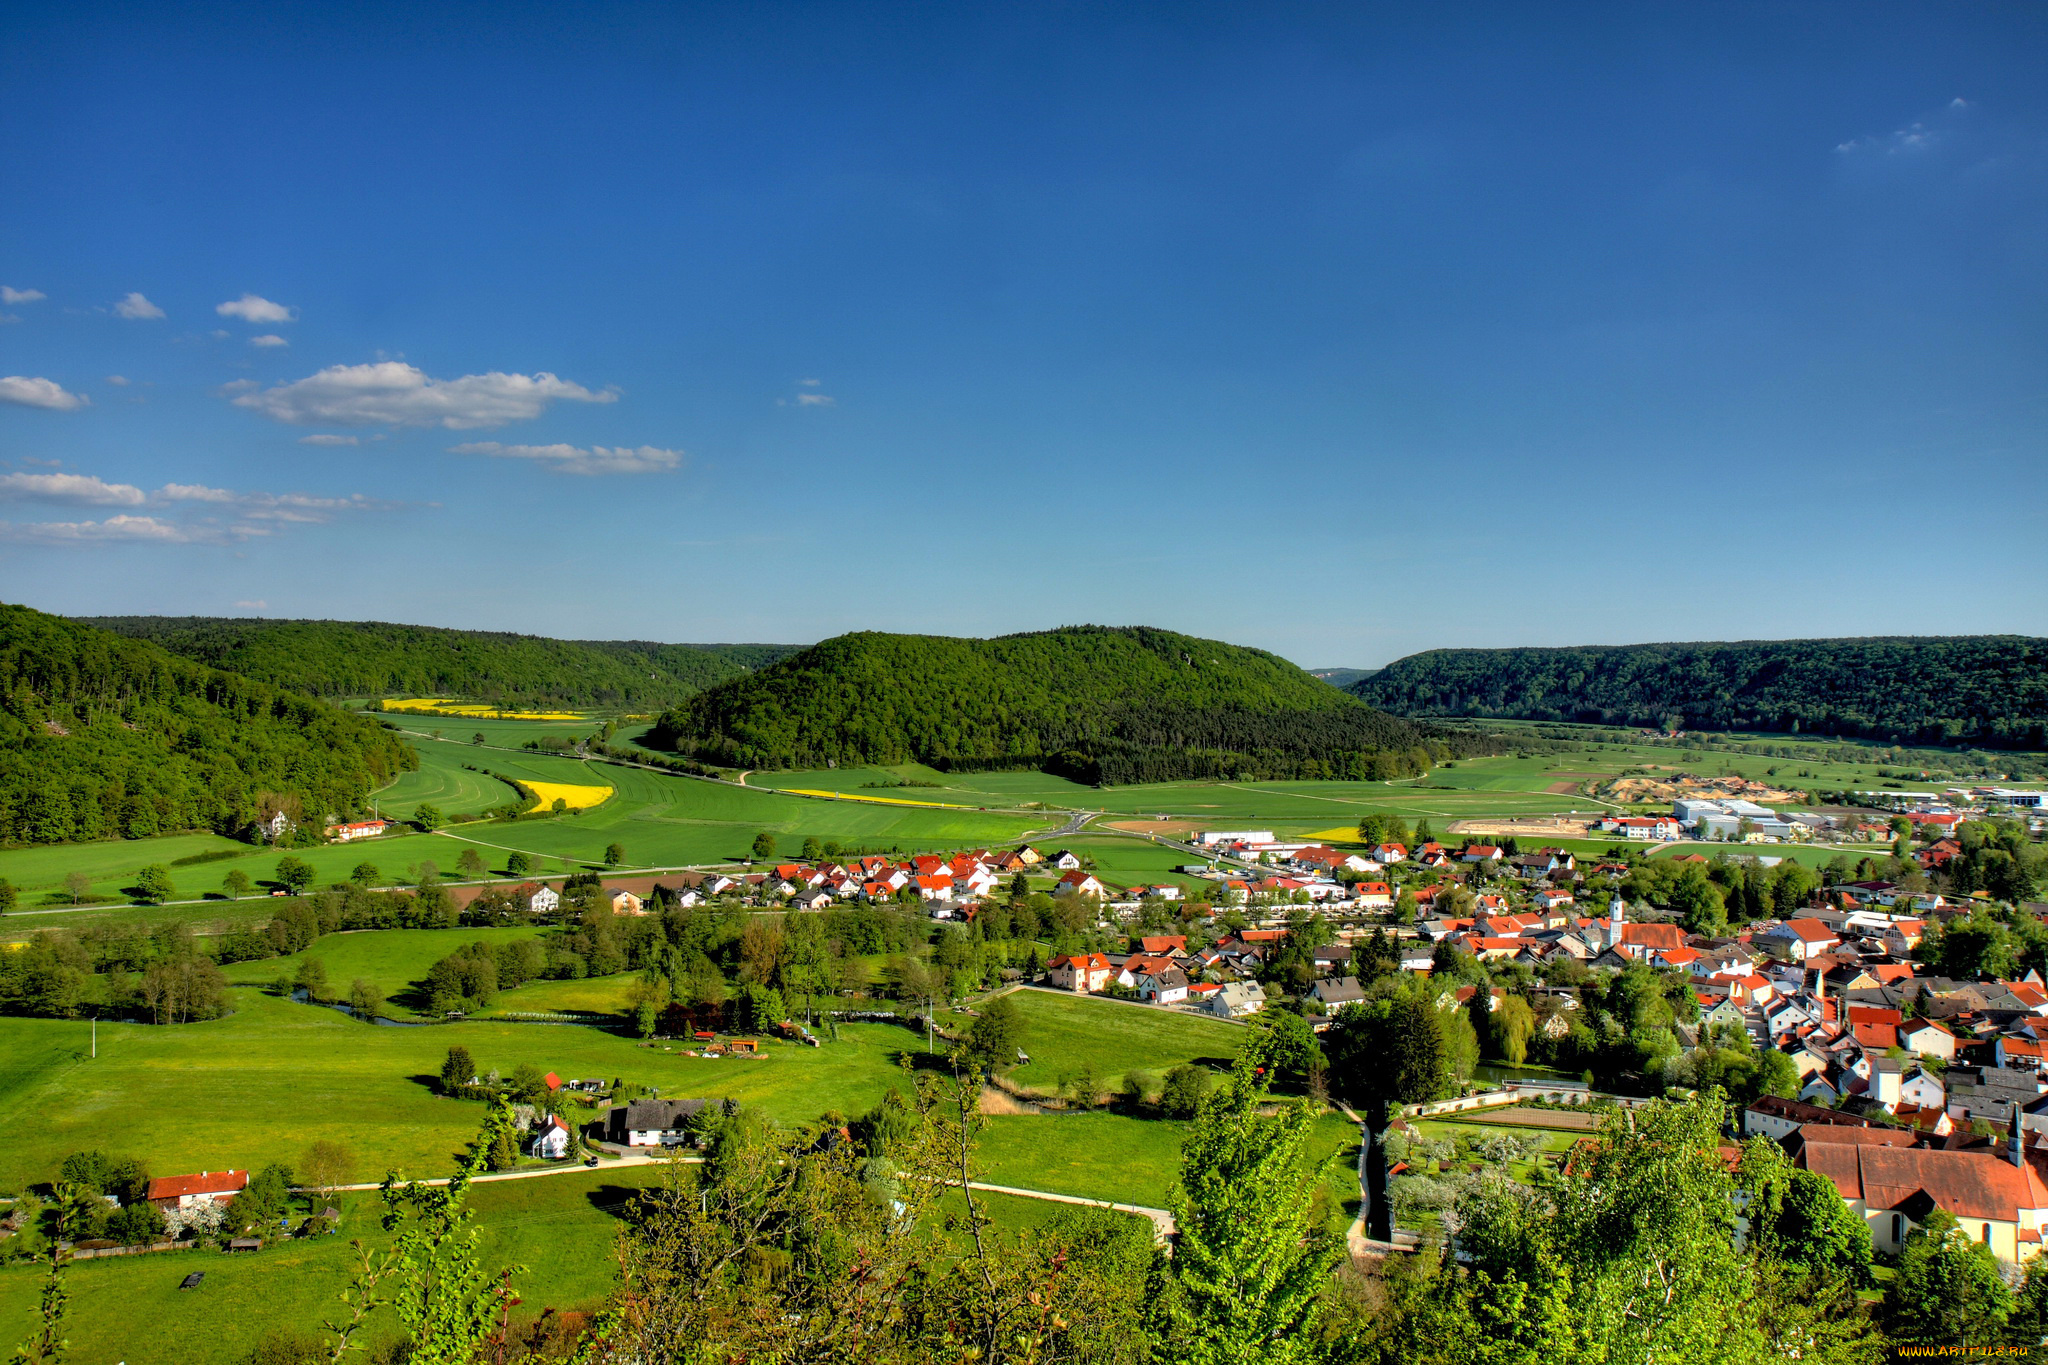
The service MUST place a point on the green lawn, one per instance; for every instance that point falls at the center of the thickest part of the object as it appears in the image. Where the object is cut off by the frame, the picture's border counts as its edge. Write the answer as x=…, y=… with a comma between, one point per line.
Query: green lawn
x=263, y=1083
x=1061, y=1032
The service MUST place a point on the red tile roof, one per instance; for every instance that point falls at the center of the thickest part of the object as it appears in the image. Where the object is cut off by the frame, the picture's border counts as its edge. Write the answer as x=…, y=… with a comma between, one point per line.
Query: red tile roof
x=206, y=1182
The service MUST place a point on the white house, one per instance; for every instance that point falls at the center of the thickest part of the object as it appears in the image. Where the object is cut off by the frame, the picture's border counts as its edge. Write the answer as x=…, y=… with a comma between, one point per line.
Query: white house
x=541, y=899
x=654, y=1123
x=275, y=826
x=552, y=1140
x=1167, y=986
x=1237, y=999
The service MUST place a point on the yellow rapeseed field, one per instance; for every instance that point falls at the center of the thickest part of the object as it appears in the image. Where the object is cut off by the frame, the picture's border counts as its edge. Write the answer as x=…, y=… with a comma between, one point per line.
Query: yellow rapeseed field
x=1349, y=832
x=579, y=798
x=444, y=706
x=878, y=800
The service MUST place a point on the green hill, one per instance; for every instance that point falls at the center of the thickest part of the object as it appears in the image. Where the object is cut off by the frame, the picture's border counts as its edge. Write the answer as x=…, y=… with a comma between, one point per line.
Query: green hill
x=378, y=659
x=1986, y=690
x=103, y=737
x=1097, y=703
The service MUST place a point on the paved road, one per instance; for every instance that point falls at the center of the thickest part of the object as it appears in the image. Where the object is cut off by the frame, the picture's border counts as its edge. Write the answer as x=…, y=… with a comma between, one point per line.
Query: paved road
x=1161, y=1219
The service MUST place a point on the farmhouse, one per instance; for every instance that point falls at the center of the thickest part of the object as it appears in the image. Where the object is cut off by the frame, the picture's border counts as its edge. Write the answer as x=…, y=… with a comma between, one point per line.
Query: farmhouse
x=357, y=829
x=552, y=1140
x=184, y=1193
x=653, y=1123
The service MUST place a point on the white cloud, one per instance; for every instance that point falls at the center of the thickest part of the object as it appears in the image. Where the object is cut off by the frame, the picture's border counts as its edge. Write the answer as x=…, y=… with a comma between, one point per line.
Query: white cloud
x=815, y=400
x=195, y=514
x=568, y=459
x=250, y=308
x=82, y=488
x=136, y=306
x=40, y=393
x=114, y=530
x=118, y=381
x=324, y=438
x=8, y=295
x=810, y=383
x=395, y=393
x=1921, y=135
x=254, y=604
x=271, y=339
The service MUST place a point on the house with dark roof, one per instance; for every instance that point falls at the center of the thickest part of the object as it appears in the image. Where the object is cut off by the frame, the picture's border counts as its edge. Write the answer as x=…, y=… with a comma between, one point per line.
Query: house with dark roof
x=654, y=1123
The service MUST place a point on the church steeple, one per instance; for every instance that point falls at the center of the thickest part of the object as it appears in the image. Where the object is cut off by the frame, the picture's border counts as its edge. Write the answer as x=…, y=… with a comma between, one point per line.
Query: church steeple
x=1617, y=920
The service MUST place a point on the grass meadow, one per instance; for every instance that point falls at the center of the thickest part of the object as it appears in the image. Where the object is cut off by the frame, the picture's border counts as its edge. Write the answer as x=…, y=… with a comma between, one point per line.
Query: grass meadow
x=261, y=1084
x=1063, y=1032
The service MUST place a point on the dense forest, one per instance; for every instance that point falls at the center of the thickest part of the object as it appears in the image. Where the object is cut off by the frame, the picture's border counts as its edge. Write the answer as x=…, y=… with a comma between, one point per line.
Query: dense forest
x=1987, y=690
x=377, y=659
x=103, y=737
x=1095, y=703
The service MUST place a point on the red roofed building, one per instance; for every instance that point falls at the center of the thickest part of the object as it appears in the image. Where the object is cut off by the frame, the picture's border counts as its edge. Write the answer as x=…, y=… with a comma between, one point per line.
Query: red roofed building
x=1084, y=973
x=1895, y=1189
x=1164, y=943
x=191, y=1191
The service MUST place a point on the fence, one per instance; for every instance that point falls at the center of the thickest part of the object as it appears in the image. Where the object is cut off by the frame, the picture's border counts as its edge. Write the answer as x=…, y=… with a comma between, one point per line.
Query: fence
x=1554, y=1092
x=94, y=1253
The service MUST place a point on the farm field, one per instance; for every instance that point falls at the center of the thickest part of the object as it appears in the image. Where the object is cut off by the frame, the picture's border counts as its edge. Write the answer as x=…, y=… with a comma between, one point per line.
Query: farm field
x=1103, y=1155
x=1063, y=1032
x=443, y=782
x=261, y=1084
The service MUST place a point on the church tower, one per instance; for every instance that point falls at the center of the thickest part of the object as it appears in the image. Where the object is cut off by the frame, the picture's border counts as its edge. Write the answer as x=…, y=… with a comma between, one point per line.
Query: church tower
x=1617, y=920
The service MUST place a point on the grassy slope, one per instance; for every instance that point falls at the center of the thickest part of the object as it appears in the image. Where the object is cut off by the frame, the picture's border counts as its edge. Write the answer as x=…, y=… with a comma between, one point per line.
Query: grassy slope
x=1062, y=1032
x=392, y=958
x=261, y=1084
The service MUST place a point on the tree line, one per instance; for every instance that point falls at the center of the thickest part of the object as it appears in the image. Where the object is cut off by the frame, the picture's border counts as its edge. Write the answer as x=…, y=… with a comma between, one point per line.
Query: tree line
x=379, y=659
x=1984, y=690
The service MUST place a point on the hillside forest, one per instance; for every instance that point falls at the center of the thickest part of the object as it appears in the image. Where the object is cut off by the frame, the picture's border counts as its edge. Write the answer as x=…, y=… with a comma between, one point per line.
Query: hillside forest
x=378, y=659
x=103, y=737
x=1098, y=704
x=1985, y=690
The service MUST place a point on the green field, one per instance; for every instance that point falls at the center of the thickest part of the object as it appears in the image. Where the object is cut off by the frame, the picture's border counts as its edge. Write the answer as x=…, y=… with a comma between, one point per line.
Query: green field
x=560, y=1228
x=261, y=1084
x=1061, y=1032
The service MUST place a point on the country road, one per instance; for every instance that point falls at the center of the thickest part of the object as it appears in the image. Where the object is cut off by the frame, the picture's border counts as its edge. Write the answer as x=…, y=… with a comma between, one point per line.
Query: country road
x=1161, y=1219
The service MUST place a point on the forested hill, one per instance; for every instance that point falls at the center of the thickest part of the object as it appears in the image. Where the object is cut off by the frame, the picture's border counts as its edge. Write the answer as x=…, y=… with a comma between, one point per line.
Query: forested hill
x=1986, y=690
x=1107, y=704
x=103, y=737
x=378, y=659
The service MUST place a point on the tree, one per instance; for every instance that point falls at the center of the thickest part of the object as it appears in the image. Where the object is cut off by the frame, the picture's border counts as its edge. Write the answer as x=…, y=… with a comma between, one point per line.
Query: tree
x=312, y=979
x=263, y=1202
x=458, y=1070
x=236, y=884
x=1776, y=1075
x=2027, y=1324
x=78, y=886
x=366, y=998
x=1374, y=957
x=996, y=1035
x=518, y=865
x=1247, y=1277
x=1946, y=1289
x=294, y=874
x=614, y=854
x=366, y=875
x=812, y=850
x=477, y=738
x=764, y=845
x=154, y=882
x=9, y=897
x=1186, y=1086
x=327, y=1164
x=1383, y=1053
x=1798, y=1219
x=1514, y=1023
x=471, y=863
x=428, y=818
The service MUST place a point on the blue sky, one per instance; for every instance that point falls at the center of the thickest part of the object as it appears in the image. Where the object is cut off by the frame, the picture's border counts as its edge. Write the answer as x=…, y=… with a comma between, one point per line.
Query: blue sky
x=1345, y=331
